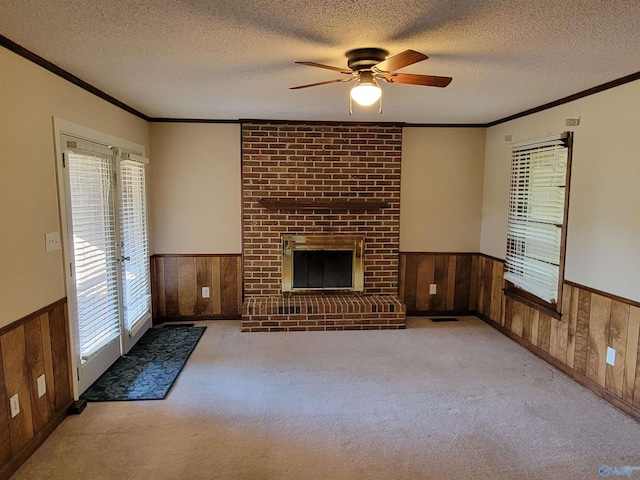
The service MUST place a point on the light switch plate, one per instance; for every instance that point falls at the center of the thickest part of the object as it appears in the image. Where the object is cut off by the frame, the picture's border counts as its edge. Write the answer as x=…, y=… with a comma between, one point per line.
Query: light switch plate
x=433, y=288
x=611, y=356
x=205, y=292
x=14, y=402
x=52, y=241
x=42, y=385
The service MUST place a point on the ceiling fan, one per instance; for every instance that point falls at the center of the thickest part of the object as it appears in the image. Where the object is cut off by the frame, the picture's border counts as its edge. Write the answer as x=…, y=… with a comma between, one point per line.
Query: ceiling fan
x=368, y=65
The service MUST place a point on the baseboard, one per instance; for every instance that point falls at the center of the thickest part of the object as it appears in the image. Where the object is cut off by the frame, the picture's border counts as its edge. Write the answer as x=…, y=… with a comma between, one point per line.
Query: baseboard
x=440, y=313
x=195, y=318
x=20, y=457
x=625, y=407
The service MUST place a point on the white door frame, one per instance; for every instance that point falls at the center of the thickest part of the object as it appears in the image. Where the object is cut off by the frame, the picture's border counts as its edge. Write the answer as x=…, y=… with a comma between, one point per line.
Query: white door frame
x=64, y=127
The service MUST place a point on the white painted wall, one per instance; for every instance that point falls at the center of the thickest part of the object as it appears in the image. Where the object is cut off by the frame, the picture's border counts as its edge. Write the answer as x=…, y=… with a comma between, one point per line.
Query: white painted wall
x=603, y=236
x=30, y=96
x=441, y=192
x=195, y=188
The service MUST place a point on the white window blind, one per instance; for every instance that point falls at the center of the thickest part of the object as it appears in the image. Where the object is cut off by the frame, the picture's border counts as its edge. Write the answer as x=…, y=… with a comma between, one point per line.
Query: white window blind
x=536, y=215
x=133, y=230
x=91, y=173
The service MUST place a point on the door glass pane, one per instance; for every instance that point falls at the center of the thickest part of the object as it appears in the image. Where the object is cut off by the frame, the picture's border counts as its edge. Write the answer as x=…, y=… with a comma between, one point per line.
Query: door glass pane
x=94, y=248
x=133, y=230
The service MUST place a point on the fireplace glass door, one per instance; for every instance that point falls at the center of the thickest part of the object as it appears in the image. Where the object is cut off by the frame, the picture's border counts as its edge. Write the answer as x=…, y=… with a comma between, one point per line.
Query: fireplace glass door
x=321, y=263
x=322, y=269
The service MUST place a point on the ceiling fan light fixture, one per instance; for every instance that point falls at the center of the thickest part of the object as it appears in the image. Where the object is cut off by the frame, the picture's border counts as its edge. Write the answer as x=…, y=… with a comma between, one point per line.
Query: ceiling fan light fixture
x=366, y=91
x=368, y=65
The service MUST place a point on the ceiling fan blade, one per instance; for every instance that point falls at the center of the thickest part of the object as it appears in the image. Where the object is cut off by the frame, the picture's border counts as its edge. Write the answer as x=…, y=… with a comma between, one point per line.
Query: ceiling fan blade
x=328, y=67
x=402, y=59
x=322, y=83
x=410, y=79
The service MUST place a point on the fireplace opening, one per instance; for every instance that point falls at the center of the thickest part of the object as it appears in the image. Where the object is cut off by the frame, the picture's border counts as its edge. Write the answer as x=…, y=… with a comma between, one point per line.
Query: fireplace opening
x=322, y=269
x=322, y=263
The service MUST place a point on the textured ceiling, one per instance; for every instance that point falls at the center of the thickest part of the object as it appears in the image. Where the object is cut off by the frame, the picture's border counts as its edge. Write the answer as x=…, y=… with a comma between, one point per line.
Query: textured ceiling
x=232, y=59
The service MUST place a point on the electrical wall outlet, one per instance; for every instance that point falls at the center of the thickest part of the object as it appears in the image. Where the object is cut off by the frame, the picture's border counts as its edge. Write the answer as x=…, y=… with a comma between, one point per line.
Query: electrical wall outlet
x=205, y=292
x=611, y=356
x=433, y=288
x=15, y=405
x=42, y=385
x=52, y=241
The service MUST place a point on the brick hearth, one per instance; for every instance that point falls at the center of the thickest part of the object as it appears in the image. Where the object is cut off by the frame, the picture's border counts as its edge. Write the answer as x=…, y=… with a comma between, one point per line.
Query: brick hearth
x=310, y=163
x=322, y=312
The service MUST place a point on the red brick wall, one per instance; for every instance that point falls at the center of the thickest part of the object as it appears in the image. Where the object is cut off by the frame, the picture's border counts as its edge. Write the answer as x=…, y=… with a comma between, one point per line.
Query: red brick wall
x=318, y=162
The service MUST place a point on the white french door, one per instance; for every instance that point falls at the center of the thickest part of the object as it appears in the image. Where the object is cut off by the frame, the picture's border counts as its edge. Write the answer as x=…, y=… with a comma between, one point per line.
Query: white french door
x=134, y=244
x=107, y=251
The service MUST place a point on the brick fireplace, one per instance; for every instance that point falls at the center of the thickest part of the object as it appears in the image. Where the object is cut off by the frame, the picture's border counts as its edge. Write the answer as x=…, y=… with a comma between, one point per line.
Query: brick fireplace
x=320, y=180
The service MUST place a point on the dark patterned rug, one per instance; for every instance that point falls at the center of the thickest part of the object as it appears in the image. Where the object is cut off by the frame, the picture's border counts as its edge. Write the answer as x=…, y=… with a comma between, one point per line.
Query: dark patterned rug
x=148, y=371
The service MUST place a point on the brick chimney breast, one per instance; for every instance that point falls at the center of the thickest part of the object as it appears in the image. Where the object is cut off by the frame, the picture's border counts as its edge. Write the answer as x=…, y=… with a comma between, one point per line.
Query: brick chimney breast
x=323, y=177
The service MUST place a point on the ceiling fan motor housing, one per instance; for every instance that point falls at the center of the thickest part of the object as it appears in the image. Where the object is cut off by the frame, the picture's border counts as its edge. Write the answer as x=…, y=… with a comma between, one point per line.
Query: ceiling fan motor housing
x=365, y=58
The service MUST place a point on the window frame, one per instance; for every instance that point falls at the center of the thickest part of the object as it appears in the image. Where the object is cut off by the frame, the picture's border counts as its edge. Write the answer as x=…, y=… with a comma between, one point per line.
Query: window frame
x=551, y=309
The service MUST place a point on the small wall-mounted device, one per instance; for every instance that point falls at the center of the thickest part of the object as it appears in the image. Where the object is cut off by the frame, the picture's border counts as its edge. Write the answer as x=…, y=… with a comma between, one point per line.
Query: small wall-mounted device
x=42, y=385
x=52, y=241
x=14, y=404
x=611, y=356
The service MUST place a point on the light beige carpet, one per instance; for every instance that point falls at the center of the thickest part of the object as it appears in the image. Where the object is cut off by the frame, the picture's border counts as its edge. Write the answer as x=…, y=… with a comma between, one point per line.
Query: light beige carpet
x=435, y=401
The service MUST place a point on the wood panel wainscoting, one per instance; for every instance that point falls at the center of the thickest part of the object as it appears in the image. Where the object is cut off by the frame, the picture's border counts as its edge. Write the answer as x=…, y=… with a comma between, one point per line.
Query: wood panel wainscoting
x=452, y=273
x=35, y=345
x=576, y=344
x=177, y=281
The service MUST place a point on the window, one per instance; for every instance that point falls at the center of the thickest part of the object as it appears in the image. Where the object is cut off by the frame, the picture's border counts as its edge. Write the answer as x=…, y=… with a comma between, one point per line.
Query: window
x=536, y=232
